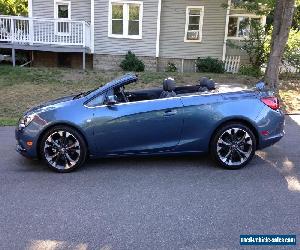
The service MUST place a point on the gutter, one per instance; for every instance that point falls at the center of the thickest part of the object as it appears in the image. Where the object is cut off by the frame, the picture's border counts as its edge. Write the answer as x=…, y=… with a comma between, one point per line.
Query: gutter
x=30, y=11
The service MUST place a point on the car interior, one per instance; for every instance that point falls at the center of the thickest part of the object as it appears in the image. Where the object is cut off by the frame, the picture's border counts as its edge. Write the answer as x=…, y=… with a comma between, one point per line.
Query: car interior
x=169, y=89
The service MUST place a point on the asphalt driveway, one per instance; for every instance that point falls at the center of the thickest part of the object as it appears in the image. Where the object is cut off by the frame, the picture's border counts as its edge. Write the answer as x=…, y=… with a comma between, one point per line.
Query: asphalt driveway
x=149, y=203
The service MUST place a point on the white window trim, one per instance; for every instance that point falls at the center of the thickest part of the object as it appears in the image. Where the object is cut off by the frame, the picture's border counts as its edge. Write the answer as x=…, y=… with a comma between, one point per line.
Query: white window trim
x=226, y=30
x=263, y=23
x=56, y=3
x=200, y=24
x=125, y=19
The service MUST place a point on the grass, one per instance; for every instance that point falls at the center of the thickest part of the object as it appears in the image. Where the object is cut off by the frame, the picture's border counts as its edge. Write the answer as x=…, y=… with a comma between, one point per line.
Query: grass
x=22, y=88
x=8, y=121
x=289, y=92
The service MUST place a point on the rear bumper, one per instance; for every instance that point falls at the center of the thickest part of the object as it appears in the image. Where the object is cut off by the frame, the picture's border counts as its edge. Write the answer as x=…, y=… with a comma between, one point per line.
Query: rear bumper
x=273, y=123
x=271, y=140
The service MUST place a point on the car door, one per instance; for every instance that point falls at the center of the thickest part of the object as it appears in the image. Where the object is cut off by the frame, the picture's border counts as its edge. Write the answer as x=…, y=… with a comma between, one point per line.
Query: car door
x=202, y=113
x=138, y=127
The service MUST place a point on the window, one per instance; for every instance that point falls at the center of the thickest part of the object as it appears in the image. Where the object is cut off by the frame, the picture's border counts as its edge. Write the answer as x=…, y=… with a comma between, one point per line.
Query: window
x=239, y=27
x=125, y=19
x=97, y=101
x=194, y=23
x=62, y=11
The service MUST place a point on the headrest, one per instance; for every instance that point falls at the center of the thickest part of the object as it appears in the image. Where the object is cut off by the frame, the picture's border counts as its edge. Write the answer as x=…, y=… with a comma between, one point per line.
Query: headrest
x=208, y=83
x=169, y=84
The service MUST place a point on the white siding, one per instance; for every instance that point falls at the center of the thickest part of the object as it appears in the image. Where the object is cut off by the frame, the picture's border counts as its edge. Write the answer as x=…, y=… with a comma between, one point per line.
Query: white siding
x=80, y=9
x=119, y=46
x=173, y=20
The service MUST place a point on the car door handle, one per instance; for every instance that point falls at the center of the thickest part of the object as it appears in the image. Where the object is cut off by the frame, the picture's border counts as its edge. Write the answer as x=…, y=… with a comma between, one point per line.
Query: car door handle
x=170, y=112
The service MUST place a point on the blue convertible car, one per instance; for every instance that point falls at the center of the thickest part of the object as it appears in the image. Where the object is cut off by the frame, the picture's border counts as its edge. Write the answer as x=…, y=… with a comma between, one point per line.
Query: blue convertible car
x=110, y=121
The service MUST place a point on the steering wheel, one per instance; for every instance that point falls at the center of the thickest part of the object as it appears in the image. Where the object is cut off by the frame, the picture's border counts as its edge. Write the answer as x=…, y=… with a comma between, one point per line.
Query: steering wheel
x=122, y=90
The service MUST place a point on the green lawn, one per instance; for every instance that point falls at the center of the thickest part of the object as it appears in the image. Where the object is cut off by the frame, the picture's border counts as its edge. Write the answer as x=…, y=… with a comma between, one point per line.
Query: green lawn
x=22, y=88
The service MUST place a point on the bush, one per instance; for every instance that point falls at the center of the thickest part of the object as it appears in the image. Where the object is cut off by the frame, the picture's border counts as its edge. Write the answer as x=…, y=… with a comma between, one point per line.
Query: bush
x=250, y=70
x=132, y=63
x=209, y=64
x=292, y=51
x=171, y=67
x=256, y=45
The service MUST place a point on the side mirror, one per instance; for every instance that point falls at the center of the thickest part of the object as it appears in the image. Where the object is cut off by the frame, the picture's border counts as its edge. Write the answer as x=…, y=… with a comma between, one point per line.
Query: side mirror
x=111, y=100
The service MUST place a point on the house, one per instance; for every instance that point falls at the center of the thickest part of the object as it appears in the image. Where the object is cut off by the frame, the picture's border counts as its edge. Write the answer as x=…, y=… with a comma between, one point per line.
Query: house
x=98, y=33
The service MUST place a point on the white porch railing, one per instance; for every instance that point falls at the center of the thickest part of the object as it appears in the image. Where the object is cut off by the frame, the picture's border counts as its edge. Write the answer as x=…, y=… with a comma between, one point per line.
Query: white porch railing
x=232, y=64
x=24, y=30
x=285, y=67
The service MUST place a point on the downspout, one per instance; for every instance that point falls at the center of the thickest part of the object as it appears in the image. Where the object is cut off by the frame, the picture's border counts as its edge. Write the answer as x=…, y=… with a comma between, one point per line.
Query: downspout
x=92, y=26
x=158, y=32
x=30, y=15
x=226, y=30
x=30, y=8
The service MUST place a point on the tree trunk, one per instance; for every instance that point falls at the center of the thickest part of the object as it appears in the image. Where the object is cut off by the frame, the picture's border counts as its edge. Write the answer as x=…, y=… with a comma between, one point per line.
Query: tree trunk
x=283, y=18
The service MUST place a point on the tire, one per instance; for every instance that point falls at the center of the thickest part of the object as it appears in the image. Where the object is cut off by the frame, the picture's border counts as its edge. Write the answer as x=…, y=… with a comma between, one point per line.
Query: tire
x=233, y=146
x=63, y=149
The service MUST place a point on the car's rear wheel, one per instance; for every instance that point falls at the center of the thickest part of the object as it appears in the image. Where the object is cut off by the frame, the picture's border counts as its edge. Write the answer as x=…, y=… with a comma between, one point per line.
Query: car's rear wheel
x=63, y=149
x=233, y=146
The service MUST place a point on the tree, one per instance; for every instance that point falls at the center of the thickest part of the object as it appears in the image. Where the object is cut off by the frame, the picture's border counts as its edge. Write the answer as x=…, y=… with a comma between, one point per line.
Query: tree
x=281, y=14
x=291, y=55
x=283, y=18
x=255, y=45
x=296, y=19
x=259, y=7
x=14, y=7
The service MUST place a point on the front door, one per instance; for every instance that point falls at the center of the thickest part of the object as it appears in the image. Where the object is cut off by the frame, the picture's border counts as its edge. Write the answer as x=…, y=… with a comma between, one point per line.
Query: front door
x=138, y=127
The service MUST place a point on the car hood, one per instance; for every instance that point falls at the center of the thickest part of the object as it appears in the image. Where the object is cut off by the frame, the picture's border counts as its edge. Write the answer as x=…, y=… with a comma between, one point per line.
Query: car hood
x=50, y=104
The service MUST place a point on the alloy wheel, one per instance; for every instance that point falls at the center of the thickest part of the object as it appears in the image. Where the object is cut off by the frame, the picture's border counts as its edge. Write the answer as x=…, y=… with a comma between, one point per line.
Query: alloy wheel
x=234, y=146
x=62, y=150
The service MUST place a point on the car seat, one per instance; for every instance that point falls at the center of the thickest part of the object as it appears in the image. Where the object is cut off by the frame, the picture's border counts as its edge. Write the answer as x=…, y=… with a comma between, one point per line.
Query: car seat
x=206, y=84
x=169, y=86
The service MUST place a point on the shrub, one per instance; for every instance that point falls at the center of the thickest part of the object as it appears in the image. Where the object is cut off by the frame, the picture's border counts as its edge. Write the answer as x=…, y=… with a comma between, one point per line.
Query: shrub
x=132, y=63
x=171, y=67
x=250, y=70
x=209, y=64
x=256, y=45
x=292, y=52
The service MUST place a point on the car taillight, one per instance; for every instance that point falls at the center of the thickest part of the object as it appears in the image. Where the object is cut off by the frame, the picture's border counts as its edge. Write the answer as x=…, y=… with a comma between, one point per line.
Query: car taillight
x=271, y=101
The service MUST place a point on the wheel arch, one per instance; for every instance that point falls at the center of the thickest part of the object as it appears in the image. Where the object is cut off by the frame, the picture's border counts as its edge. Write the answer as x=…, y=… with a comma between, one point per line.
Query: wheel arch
x=241, y=120
x=62, y=123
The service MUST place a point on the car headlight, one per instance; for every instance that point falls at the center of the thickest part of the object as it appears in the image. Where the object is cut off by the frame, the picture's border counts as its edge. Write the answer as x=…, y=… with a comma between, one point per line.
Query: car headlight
x=26, y=120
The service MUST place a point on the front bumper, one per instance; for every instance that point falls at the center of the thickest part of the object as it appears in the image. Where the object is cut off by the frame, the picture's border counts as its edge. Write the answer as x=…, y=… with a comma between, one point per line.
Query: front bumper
x=23, y=136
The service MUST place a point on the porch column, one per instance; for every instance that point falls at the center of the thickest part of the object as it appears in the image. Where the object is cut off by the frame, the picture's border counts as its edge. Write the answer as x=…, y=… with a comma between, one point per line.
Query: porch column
x=13, y=55
x=83, y=60
x=30, y=15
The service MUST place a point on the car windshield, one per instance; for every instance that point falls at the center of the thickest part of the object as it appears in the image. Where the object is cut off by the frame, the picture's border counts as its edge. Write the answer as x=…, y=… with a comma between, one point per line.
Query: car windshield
x=83, y=94
x=120, y=81
x=90, y=91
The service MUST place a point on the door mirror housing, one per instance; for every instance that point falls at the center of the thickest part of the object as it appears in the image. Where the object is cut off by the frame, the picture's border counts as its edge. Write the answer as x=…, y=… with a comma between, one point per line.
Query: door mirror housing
x=111, y=100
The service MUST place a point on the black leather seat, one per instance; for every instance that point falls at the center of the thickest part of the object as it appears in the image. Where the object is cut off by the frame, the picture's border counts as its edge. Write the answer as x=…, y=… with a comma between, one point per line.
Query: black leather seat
x=206, y=84
x=169, y=86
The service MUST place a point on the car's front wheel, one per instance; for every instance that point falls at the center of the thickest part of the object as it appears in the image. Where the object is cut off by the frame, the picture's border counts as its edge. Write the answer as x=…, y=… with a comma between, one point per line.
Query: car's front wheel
x=63, y=149
x=233, y=146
